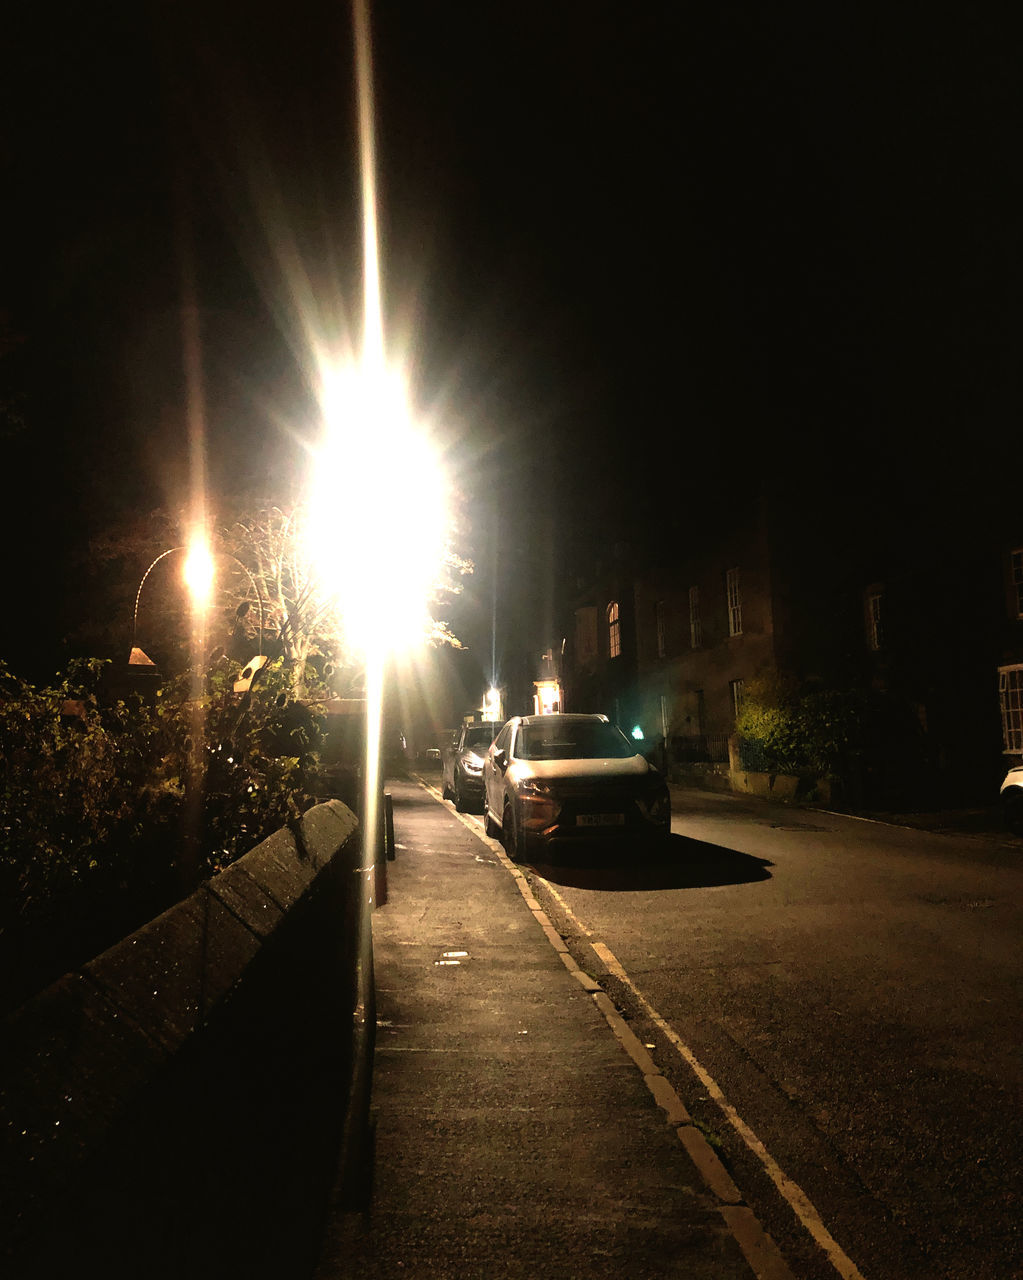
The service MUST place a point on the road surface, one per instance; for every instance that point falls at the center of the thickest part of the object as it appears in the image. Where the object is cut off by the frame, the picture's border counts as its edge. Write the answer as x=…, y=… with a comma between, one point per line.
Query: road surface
x=838, y=1002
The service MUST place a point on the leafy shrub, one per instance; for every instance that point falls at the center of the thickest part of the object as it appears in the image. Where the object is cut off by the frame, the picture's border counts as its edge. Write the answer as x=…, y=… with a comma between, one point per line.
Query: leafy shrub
x=811, y=728
x=110, y=809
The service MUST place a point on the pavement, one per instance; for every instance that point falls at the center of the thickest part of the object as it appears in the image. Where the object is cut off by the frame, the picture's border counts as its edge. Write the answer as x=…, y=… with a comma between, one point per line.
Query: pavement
x=522, y=1130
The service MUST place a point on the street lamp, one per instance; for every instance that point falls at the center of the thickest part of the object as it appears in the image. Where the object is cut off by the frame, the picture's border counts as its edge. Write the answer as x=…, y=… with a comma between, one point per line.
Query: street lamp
x=378, y=514
x=137, y=657
x=199, y=575
x=377, y=519
x=376, y=531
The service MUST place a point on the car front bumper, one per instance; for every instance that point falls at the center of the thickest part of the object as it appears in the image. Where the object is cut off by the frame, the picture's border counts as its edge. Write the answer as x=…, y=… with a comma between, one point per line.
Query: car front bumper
x=573, y=825
x=469, y=785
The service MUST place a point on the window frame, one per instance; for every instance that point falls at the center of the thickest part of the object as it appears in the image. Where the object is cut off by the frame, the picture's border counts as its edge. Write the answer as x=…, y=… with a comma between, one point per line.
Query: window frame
x=660, y=628
x=695, y=621
x=1016, y=578
x=614, y=630
x=733, y=599
x=1010, y=706
x=874, y=617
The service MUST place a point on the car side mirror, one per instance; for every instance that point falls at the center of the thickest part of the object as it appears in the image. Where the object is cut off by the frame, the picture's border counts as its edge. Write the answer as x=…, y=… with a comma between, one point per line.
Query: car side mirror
x=501, y=759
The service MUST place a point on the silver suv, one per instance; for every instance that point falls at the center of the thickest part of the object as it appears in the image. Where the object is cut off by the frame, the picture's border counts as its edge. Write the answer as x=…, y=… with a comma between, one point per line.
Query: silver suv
x=554, y=779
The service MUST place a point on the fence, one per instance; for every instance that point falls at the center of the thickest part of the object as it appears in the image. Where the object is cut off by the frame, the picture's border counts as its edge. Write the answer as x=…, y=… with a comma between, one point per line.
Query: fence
x=700, y=748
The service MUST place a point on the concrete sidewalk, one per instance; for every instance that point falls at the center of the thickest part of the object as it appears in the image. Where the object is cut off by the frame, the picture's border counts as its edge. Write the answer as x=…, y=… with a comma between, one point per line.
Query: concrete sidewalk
x=518, y=1133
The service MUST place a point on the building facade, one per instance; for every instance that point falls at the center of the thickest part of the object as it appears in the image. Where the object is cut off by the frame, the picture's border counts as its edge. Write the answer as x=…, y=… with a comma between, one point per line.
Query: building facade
x=915, y=619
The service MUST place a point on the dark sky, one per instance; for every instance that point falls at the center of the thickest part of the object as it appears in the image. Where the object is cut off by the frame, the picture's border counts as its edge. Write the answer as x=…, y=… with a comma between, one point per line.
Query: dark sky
x=635, y=253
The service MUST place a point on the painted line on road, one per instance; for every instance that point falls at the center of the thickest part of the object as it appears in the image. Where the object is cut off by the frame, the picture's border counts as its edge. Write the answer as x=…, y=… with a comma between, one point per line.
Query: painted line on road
x=758, y=1248
x=790, y=1191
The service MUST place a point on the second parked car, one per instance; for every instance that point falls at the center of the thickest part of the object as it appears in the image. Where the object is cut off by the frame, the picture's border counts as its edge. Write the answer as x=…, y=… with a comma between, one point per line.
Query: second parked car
x=463, y=765
x=549, y=780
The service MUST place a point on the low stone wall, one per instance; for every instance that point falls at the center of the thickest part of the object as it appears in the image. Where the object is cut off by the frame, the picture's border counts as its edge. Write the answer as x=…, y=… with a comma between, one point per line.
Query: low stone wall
x=176, y=1107
x=781, y=786
x=706, y=775
x=769, y=786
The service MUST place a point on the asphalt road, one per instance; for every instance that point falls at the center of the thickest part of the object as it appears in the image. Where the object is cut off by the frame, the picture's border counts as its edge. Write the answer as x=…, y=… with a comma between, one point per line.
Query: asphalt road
x=838, y=1003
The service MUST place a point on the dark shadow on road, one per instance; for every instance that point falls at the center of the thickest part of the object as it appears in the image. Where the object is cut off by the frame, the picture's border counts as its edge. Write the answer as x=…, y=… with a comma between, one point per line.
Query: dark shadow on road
x=681, y=863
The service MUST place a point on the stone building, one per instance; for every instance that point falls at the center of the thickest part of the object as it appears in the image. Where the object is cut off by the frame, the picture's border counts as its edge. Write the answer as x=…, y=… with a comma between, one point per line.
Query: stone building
x=892, y=603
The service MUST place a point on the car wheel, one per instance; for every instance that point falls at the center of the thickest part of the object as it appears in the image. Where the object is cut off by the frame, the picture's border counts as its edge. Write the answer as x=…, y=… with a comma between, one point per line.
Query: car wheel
x=1012, y=807
x=446, y=792
x=490, y=827
x=514, y=840
x=458, y=798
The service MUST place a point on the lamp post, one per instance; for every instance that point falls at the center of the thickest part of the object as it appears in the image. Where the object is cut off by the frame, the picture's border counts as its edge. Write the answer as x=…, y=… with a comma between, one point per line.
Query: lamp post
x=198, y=576
x=378, y=526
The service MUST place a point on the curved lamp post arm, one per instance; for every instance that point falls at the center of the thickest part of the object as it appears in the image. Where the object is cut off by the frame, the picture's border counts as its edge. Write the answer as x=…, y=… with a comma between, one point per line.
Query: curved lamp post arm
x=163, y=555
x=138, y=594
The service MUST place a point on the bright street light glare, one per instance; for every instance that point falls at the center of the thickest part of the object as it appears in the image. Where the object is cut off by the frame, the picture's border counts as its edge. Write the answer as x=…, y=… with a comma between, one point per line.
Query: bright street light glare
x=378, y=512
x=198, y=573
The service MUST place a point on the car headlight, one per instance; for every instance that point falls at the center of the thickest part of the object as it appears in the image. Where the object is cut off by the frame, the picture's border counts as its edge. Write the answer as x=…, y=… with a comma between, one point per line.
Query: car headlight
x=472, y=765
x=538, y=803
x=534, y=789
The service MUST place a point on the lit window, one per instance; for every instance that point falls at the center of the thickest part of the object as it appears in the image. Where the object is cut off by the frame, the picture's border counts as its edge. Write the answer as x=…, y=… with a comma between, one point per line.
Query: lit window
x=734, y=595
x=695, y=626
x=737, y=688
x=1017, y=580
x=1010, y=698
x=659, y=625
x=875, y=619
x=614, y=632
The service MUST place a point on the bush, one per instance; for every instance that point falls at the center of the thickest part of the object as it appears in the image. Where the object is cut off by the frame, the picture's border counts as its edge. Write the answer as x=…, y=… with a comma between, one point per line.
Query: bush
x=805, y=729
x=112, y=809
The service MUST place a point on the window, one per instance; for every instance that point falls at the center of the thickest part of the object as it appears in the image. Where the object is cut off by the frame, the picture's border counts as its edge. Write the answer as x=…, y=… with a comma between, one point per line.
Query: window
x=737, y=688
x=695, y=626
x=586, y=635
x=662, y=648
x=614, y=631
x=1017, y=580
x=573, y=739
x=1010, y=698
x=734, y=595
x=875, y=619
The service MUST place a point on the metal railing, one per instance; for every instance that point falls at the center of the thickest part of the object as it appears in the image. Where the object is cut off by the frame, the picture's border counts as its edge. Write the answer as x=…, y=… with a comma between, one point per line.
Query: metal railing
x=699, y=748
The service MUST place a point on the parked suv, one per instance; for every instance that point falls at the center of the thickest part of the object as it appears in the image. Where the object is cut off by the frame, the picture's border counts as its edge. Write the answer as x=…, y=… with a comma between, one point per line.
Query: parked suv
x=463, y=765
x=555, y=779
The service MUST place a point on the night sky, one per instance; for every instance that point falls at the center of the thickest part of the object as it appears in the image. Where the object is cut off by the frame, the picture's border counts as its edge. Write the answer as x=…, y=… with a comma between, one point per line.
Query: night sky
x=633, y=254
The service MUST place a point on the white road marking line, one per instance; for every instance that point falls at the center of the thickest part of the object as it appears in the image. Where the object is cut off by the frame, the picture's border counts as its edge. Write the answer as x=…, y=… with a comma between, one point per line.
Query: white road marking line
x=791, y=1192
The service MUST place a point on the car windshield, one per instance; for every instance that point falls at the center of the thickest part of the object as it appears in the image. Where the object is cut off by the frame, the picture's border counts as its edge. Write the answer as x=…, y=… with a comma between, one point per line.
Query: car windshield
x=573, y=740
x=481, y=737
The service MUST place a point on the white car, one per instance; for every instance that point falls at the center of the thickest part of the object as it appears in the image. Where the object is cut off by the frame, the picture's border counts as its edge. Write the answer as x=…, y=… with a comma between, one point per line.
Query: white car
x=1011, y=795
x=551, y=780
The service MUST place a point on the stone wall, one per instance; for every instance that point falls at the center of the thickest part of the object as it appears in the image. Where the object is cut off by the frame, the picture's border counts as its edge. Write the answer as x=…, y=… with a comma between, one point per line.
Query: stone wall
x=176, y=1107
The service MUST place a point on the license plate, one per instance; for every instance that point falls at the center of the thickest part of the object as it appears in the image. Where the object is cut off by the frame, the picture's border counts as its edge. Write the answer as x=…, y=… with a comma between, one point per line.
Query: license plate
x=600, y=820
